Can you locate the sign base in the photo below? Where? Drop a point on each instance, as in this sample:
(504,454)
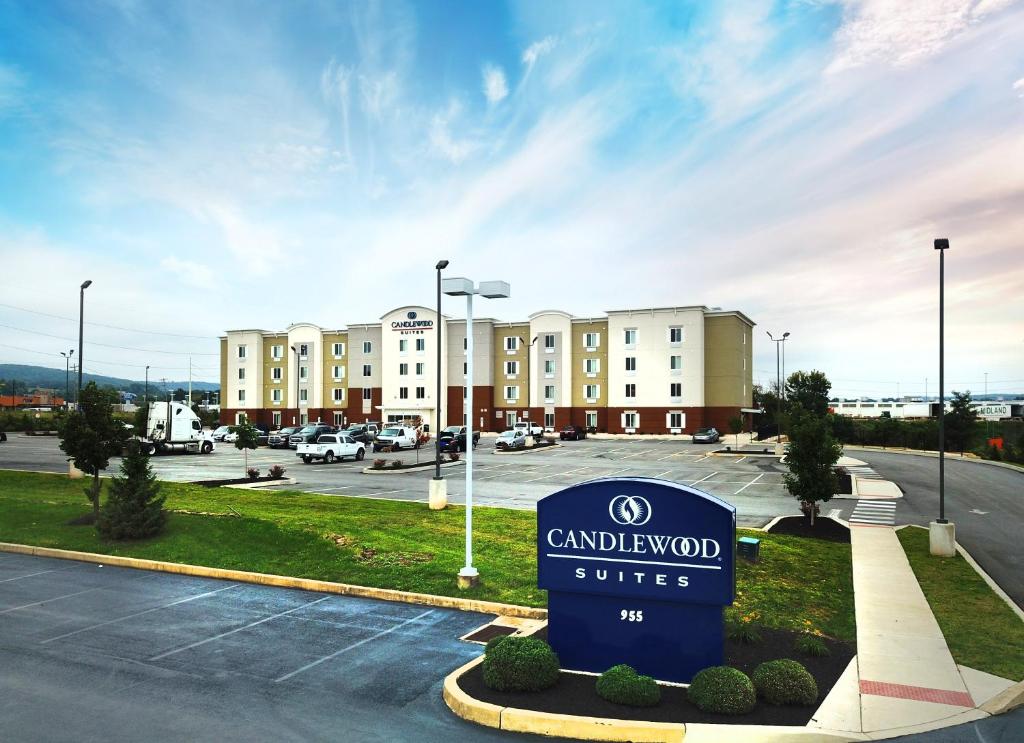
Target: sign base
(668,641)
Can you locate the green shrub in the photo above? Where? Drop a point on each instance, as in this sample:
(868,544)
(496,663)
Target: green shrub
(622,685)
(743,633)
(812,645)
(493,641)
(785,682)
(724,690)
(520,664)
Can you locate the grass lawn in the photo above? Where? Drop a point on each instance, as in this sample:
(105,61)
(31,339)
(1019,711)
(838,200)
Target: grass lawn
(799,584)
(981,630)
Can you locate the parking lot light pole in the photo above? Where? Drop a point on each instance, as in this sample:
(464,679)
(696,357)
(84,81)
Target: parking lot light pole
(469,576)
(942,533)
(296,421)
(438,495)
(778,390)
(67,375)
(81,323)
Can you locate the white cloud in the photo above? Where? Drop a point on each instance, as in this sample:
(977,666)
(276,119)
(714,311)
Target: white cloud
(538,49)
(11,85)
(444,143)
(195,274)
(1019,87)
(904,32)
(495,85)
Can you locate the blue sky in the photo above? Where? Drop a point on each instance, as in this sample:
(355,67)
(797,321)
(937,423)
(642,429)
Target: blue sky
(225,165)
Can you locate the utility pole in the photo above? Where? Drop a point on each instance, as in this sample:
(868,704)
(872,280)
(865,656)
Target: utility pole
(941,533)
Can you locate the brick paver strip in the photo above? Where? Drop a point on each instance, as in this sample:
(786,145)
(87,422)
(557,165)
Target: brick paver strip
(917,693)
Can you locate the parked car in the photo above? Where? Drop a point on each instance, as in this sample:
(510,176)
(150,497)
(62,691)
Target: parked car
(220,432)
(364,432)
(331,446)
(309,433)
(396,437)
(706,436)
(453,438)
(572,433)
(512,439)
(530,429)
(279,439)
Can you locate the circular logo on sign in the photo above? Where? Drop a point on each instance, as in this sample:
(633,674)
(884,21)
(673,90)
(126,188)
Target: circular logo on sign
(630,510)
(411,315)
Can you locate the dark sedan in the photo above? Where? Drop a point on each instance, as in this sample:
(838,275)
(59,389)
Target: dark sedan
(572,433)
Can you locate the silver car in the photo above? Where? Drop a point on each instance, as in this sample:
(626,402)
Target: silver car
(706,436)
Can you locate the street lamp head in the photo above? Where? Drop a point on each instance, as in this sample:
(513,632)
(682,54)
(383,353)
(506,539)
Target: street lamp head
(295,349)
(785,335)
(770,334)
(942,243)
(495,289)
(86,284)
(457,287)
(441,264)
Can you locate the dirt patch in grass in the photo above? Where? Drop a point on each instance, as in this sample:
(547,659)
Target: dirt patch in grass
(371,556)
(824,528)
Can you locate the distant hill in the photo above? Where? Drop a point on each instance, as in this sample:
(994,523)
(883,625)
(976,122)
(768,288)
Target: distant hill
(42,376)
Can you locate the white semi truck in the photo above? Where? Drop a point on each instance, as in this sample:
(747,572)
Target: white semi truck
(174,427)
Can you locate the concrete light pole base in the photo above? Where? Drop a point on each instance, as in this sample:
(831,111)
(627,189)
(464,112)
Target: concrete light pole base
(468,578)
(73,472)
(942,539)
(438,498)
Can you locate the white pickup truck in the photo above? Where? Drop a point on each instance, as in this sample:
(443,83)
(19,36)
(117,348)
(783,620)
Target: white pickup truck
(530,429)
(396,437)
(331,446)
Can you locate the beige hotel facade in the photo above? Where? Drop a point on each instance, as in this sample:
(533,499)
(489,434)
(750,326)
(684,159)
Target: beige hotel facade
(650,371)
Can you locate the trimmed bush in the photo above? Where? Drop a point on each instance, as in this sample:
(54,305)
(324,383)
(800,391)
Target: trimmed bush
(277,471)
(520,664)
(812,645)
(252,473)
(622,685)
(722,689)
(743,633)
(785,682)
(493,641)
(378,464)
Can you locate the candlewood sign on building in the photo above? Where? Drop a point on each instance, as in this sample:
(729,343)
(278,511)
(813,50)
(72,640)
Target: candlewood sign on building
(655,370)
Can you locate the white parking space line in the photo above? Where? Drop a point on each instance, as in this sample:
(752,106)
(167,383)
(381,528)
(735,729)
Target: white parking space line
(47,601)
(708,477)
(740,460)
(702,458)
(556,474)
(41,572)
(661,474)
(615,472)
(749,484)
(137,614)
(638,454)
(353,646)
(237,629)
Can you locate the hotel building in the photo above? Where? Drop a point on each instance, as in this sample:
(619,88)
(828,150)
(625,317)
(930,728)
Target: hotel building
(655,370)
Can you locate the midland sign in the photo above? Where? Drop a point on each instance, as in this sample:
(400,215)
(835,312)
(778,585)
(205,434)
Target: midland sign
(637,571)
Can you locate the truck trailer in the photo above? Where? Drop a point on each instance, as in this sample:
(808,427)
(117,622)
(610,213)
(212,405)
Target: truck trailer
(173,427)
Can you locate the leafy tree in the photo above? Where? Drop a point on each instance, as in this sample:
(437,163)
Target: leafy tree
(767,399)
(134,506)
(141,419)
(960,420)
(735,427)
(179,395)
(843,428)
(809,390)
(90,437)
(248,438)
(887,429)
(812,456)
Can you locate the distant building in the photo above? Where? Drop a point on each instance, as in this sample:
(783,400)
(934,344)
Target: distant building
(37,399)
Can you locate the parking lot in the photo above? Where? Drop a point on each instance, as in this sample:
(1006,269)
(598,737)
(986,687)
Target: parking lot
(93,652)
(752,484)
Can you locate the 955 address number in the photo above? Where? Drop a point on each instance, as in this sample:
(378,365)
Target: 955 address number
(631,616)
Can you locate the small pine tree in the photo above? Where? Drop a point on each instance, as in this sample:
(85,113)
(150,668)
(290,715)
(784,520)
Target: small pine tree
(134,508)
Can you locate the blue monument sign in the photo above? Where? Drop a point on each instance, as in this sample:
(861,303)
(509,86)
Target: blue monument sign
(637,571)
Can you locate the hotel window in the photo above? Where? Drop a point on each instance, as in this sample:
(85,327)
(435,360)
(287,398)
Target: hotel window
(303,418)
(303,350)
(403,393)
(241,396)
(549,393)
(275,417)
(465,392)
(511,343)
(512,367)
(241,374)
(629,420)
(630,337)
(420,367)
(338,372)
(367,393)
(511,393)
(631,363)
(675,390)
(339,418)
(591,419)
(403,345)
(675,336)
(421,344)
(591,366)
(549,420)
(367,370)
(303,395)
(421,393)
(630,390)
(465,368)
(465,343)
(277,352)
(339,394)
(303,372)
(549,343)
(367,347)
(675,420)
(339,349)
(591,391)
(241,352)
(592,340)
(275,373)
(549,366)
(275,395)
(675,364)
(403,370)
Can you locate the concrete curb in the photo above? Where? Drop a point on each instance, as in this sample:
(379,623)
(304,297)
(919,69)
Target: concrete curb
(262,484)
(413,468)
(1005,700)
(282,581)
(935,455)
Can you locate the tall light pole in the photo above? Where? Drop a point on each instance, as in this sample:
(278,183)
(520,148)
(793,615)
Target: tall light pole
(67,375)
(297,414)
(441,265)
(778,384)
(941,533)
(81,322)
(461,287)
(146,399)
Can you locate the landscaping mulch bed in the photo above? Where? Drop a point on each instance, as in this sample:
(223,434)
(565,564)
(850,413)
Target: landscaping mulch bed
(574,694)
(235,481)
(824,528)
